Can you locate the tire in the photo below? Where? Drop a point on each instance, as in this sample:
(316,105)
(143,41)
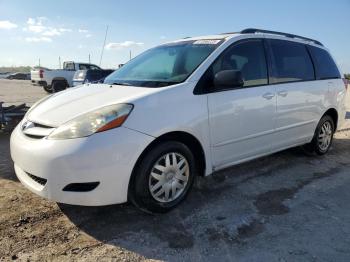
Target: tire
(148,185)
(58,86)
(48,89)
(325,130)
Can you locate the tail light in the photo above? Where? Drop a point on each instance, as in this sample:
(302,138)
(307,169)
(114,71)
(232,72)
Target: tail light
(41,73)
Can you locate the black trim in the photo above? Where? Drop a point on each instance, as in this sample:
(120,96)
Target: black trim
(269,59)
(255,30)
(312,61)
(39,180)
(81,187)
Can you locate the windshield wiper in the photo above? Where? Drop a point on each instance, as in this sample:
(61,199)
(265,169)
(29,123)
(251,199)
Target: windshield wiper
(121,84)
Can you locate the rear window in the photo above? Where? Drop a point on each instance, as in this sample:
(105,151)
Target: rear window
(292,62)
(68,66)
(325,66)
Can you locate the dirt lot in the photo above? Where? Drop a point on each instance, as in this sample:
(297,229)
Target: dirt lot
(285,207)
(16,92)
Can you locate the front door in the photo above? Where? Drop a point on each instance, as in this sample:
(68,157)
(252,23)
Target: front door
(241,120)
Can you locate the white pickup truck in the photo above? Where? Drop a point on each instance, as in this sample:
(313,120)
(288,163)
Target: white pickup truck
(59,79)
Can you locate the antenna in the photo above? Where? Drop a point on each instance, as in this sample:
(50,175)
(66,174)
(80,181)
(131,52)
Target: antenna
(103,47)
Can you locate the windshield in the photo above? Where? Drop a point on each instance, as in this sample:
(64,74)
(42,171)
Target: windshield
(164,65)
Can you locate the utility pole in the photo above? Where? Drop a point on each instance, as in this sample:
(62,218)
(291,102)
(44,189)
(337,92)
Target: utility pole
(103,47)
(130,55)
(59,62)
(89,59)
(39,62)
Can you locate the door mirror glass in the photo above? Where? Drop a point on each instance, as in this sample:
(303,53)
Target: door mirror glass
(228,79)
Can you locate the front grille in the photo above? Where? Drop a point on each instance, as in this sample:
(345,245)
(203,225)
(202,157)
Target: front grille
(36,130)
(41,125)
(39,180)
(34,136)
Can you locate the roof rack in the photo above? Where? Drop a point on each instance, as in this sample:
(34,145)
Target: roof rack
(254,30)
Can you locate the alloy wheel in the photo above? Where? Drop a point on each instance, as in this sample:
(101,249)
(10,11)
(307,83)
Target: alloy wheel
(325,136)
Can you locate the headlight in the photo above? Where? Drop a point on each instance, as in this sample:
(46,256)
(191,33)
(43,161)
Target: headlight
(99,120)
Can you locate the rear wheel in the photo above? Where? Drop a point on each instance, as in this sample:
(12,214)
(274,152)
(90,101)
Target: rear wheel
(163,177)
(58,86)
(323,137)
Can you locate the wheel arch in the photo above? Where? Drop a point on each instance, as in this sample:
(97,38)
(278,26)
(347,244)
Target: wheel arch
(180,136)
(333,113)
(59,79)
(186,138)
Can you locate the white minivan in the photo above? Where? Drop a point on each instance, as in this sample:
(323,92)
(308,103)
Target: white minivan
(183,109)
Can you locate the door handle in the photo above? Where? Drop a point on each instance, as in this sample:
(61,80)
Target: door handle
(283,93)
(268,96)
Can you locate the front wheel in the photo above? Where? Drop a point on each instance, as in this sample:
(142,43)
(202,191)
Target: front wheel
(323,137)
(163,177)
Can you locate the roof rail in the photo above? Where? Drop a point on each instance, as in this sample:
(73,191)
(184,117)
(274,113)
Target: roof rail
(254,30)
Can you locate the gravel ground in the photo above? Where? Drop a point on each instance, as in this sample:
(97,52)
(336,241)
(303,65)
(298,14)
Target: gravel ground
(284,207)
(17,92)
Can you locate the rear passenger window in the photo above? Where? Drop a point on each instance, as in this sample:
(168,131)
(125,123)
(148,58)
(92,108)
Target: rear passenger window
(324,64)
(84,67)
(291,62)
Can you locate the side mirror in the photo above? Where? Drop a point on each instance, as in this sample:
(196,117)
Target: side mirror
(228,79)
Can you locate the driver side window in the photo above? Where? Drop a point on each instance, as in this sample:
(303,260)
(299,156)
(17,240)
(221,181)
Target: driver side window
(248,57)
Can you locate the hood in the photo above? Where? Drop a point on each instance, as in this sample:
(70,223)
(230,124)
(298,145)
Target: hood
(68,104)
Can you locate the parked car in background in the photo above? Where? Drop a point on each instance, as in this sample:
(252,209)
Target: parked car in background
(4,74)
(59,79)
(183,109)
(90,76)
(19,76)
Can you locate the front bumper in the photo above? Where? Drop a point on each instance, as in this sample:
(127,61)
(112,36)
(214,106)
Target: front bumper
(107,158)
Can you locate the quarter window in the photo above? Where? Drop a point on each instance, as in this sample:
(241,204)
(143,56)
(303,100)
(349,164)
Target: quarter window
(324,64)
(291,62)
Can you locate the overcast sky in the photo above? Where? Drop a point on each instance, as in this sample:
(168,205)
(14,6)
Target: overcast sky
(34,29)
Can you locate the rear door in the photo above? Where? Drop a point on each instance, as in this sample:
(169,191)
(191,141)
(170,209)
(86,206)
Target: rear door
(299,96)
(327,74)
(325,68)
(241,120)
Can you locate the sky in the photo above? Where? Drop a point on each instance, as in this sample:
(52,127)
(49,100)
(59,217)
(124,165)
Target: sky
(39,29)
